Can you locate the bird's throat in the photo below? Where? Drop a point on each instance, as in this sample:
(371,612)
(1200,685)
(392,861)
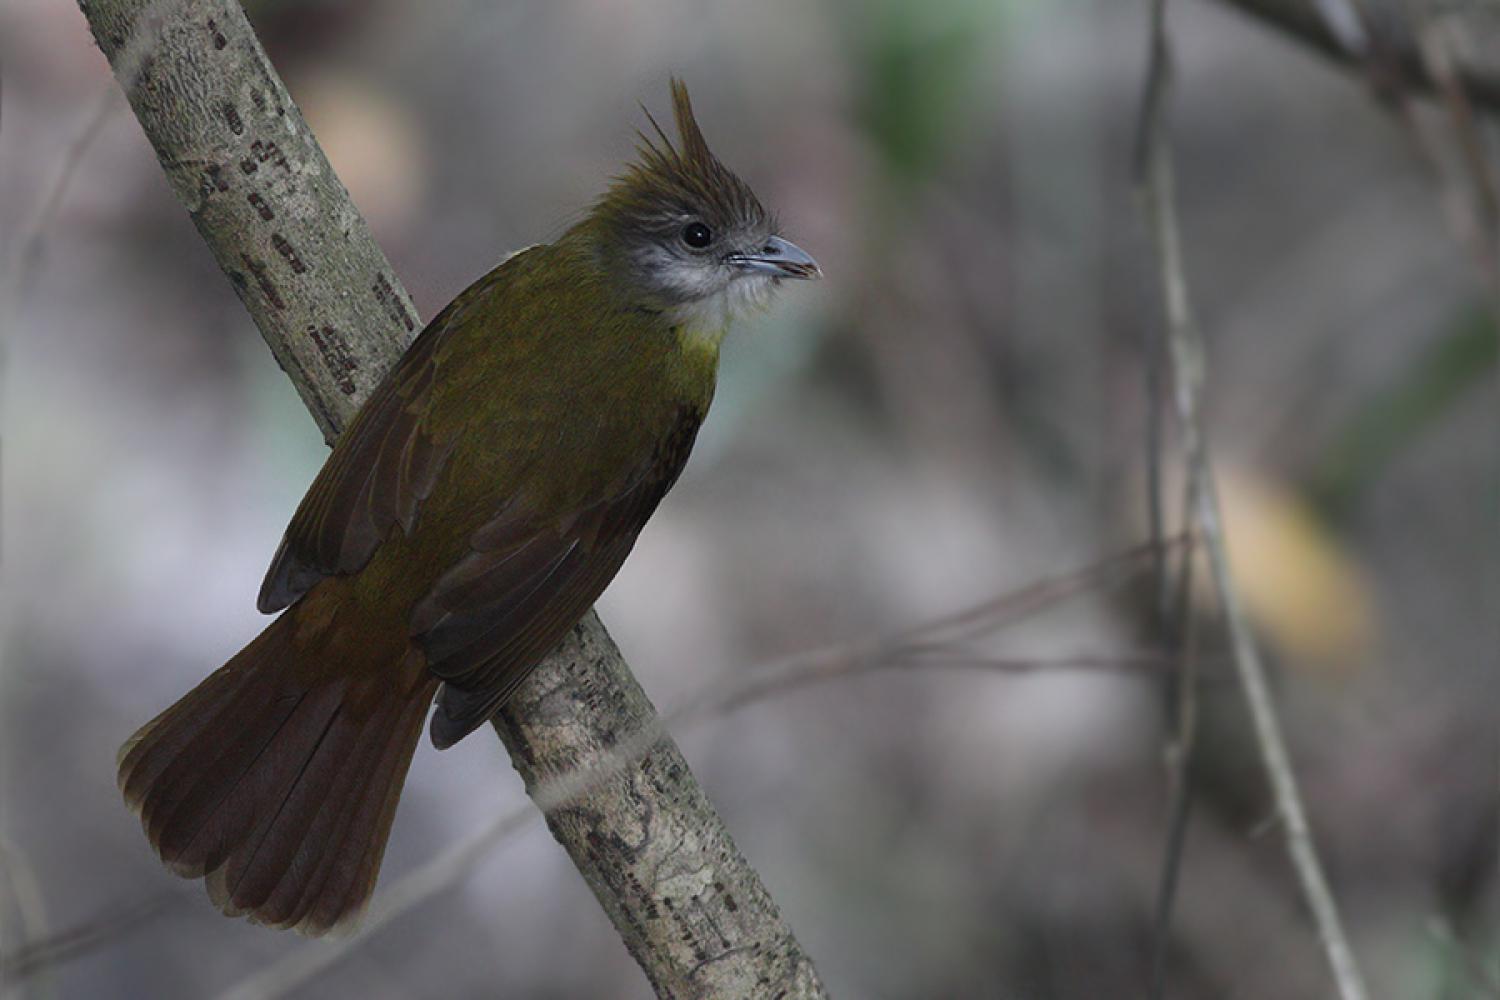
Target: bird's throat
(701,325)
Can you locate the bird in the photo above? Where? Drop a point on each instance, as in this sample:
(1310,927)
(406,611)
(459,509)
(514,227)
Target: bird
(469,515)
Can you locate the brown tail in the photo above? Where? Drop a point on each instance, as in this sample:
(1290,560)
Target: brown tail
(277,783)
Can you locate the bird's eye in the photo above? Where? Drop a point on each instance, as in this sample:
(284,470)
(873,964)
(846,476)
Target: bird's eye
(697,235)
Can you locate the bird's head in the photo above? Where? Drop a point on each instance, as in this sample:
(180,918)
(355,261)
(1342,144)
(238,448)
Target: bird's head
(688,235)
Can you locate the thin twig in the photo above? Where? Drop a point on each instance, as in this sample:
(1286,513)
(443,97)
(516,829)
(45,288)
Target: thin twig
(739,689)
(929,645)
(1186,354)
(820,671)
(25,890)
(1472,213)
(926,645)
(1306,21)
(28,253)
(454,863)
(1481,223)
(1180,754)
(1017,604)
(1174,624)
(82,939)
(447,868)
(404,894)
(15,283)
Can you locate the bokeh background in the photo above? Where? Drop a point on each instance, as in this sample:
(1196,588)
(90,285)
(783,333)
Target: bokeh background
(957,411)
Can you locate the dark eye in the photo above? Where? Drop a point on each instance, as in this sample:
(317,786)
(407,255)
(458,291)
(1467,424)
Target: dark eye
(696,235)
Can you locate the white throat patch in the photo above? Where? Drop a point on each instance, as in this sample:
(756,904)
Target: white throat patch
(707,318)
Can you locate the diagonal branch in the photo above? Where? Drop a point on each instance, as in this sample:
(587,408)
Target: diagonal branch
(1385,45)
(241,159)
(923,647)
(1186,359)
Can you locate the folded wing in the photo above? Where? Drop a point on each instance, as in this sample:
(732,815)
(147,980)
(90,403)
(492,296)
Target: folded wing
(525,581)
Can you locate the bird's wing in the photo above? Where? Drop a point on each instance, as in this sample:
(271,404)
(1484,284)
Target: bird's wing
(382,467)
(526,580)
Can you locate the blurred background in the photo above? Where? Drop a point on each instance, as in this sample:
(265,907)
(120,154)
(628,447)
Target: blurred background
(959,410)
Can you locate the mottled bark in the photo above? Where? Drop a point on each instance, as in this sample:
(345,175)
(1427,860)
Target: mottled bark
(619,796)
(241,159)
(617,792)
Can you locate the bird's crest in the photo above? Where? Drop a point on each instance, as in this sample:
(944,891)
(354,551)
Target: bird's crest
(669,181)
(694,147)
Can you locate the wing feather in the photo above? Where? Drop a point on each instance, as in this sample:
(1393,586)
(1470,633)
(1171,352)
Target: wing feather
(532,564)
(382,467)
(525,582)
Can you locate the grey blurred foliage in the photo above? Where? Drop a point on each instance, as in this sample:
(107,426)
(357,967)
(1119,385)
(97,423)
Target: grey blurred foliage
(956,411)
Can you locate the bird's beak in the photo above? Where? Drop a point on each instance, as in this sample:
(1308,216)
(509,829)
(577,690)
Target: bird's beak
(779,258)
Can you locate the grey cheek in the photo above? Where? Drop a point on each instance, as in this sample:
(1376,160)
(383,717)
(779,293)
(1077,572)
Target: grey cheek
(680,278)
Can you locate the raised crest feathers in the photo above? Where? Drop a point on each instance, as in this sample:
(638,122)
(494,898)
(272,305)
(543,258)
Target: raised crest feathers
(670,179)
(691,147)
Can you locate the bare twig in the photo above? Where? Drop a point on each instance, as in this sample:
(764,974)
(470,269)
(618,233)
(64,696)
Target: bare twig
(28,252)
(1174,622)
(929,645)
(1015,605)
(25,891)
(1186,354)
(1471,210)
(449,867)
(1182,636)
(740,689)
(81,939)
(1480,224)
(241,159)
(1309,22)
(15,282)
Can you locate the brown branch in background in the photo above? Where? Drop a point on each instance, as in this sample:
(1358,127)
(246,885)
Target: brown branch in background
(1390,48)
(279,222)
(1173,620)
(1480,224)
(946,641)
(1180,626)
(1187,364)
(1471,206)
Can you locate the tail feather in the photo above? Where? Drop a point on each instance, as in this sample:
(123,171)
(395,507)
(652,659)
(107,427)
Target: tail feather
(350,874)
(276,780)
(310,880)
(294,788)
(178,770)
(289,897)
(177,726)
(192,810)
